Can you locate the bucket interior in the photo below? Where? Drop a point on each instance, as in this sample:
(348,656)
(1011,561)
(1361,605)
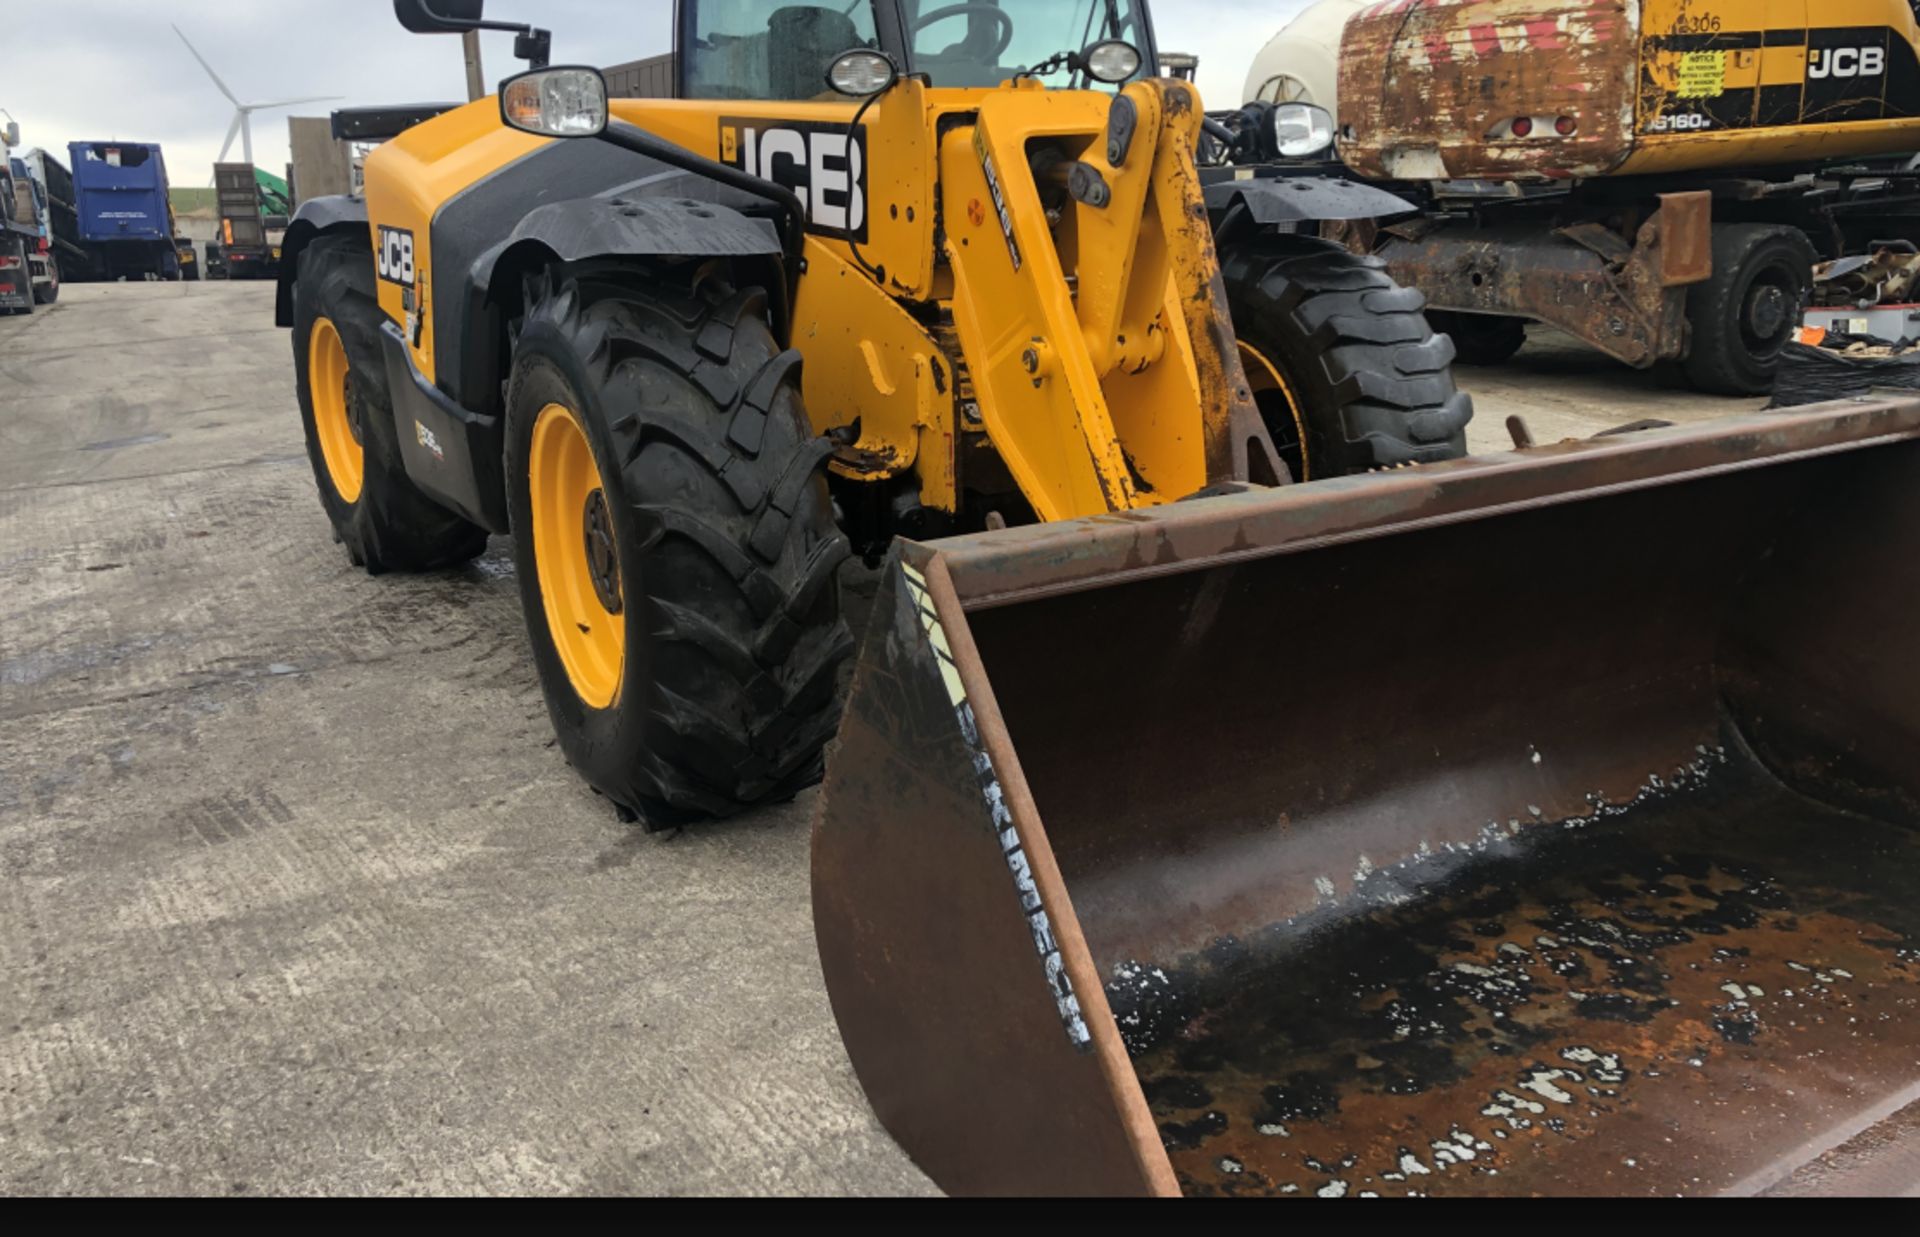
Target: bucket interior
(1572,850)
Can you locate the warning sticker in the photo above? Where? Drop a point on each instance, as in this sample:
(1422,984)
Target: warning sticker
(1703,75)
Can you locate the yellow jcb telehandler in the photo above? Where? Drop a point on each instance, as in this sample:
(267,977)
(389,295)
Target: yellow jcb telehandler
(847,254)
(1445,829)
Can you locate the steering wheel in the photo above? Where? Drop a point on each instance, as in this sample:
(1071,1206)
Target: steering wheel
(971,10)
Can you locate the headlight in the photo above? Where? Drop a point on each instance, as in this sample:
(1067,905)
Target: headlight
(1113,61)
(1302,130)
(862,74)
(556,103)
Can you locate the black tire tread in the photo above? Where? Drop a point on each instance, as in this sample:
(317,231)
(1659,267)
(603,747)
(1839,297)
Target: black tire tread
(1718,360)
(722,476)
(1376,381)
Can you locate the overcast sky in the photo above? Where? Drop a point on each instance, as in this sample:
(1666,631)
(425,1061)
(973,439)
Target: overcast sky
(74,70)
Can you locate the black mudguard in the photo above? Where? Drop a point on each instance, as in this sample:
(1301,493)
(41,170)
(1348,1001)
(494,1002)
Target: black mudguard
(622,205)
(464,471)
(646,227)
(1303,199)
(315,217)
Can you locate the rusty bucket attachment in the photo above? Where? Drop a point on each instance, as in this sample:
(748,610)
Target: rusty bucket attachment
(1536,824)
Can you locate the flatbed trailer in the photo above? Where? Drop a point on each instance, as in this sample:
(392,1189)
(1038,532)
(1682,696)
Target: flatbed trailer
(25,274)
(249,244)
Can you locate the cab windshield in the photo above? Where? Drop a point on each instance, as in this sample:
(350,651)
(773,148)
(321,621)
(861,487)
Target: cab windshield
(984,44)
(766,49)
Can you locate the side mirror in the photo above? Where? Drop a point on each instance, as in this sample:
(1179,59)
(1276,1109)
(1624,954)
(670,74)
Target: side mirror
(1302,130)
(863,73)
(11,133)
(439,16)
(564,102)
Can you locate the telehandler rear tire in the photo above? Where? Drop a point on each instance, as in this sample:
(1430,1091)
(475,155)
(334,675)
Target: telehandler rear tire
(1349,375)
(678,557)
(386,523)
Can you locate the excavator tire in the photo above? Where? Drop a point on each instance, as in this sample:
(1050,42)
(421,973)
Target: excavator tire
(678,556)
(1745,314)
(1349,374)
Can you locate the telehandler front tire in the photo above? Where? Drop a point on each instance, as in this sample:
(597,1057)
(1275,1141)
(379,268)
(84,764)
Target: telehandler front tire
(678,557)
(1349,375)
(386,523)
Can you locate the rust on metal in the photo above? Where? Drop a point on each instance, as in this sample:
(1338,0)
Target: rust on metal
(1542,823)
(1686,238)
(1429,91)
(1627,299)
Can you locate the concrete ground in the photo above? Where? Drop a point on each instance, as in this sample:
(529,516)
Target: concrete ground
(298,896)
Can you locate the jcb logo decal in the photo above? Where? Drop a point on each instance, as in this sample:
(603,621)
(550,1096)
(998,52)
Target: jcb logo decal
(396,256)
(1825,62)
(824,165)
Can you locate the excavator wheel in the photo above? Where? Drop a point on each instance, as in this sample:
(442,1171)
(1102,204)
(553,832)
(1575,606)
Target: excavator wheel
(1745,314)
(1349,375)
(386,523)
(1481,339)
(678,558)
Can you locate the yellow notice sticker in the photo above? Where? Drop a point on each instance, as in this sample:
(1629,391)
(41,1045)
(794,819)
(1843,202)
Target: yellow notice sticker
(1703,75)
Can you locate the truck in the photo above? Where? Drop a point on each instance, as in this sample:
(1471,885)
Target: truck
(16,286)
(125,217)
(32,210)
(29,275)
(1656,179)
(16,289)
(250,234)
(56,182)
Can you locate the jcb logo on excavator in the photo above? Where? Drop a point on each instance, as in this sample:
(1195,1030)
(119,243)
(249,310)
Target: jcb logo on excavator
(826,165)
(1825,62)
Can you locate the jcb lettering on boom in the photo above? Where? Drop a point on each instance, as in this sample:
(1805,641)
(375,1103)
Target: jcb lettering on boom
(825,164)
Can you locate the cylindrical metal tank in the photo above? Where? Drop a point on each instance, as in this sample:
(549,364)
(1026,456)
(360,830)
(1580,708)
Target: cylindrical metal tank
(1301,64)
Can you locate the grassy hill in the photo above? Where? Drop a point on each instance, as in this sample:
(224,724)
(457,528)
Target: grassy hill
(192,201)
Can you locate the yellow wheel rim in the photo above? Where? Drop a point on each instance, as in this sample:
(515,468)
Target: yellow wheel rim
(1269,385)
(575,554)
(327,383)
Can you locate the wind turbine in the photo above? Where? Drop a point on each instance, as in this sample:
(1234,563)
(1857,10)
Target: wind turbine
(243,112)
